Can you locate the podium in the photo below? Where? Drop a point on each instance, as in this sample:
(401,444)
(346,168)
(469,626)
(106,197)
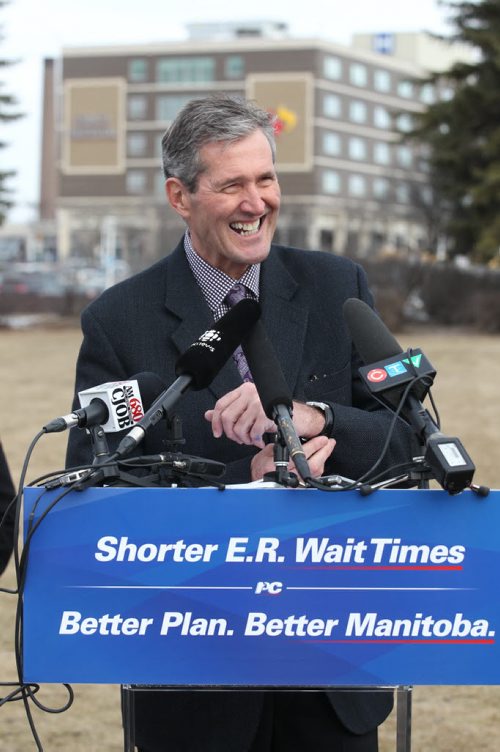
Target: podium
(263,588)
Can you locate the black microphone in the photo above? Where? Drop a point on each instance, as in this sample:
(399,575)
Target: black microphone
(389,368)
(387,362)
(197,367)
(274,392)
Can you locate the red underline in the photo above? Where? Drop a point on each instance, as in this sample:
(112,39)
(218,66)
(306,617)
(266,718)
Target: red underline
(421,567)
(412,641)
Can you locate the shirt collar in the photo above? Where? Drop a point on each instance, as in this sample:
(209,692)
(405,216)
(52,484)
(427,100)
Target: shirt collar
(214,283)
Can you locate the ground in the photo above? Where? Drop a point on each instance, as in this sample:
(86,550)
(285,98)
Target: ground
(36,374)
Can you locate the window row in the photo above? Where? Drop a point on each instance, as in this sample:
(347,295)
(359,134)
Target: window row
(334,106)
(200,69)
(364,113)
(203,69)
(379,79)
(332,145)
(139,144)
(354,147)
(380,188)
(332,183)
(136,182)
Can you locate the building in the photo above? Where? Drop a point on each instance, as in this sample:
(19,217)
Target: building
(349,185)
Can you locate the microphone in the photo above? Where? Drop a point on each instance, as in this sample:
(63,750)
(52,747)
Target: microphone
(115,406)
(197,367)
(388,368)
(274,393)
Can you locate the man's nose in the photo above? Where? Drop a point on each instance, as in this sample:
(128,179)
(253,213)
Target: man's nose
(253,200)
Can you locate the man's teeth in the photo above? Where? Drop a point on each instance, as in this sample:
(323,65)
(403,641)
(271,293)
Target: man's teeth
(246,228)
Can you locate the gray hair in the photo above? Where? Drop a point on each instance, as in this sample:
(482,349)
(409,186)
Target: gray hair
(220,118)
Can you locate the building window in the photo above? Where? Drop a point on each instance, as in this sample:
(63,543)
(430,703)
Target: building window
(381,153)
(381,117)
(158,145)
(381,188)
(138,70)
(185,69)
(332,68)
(357,111)
(446,94)
(428,94)
(405,156)
(404,122)
(405,89)
(382,80)
(136,144)
(137,106)
(357,148)
(136,181)
(234,66)
(331,144)
(426,195)
(332,106)
(357,185)
(169,105)
(326,240)
(331,181)
(402,193)
(160,183)
(358,74)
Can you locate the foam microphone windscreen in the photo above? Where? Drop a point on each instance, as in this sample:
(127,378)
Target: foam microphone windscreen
(266,370)
(370,335)
(203,360)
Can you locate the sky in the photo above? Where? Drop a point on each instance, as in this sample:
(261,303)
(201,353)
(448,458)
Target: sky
(35,29)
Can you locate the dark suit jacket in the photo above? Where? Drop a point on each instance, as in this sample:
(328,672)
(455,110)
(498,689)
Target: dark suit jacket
(6,495)
(144,324)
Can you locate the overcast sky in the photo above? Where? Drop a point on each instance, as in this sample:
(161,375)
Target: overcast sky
(34,29)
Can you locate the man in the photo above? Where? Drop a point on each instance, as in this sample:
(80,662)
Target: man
(218,159)
(6,495)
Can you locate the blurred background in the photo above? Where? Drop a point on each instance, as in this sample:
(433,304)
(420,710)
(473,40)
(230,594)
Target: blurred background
(387,131)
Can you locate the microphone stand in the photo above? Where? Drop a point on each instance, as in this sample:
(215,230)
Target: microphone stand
(162,475)
(281,455)
(110,474)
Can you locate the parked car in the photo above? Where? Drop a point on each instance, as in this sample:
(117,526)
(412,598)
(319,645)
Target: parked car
(32,290)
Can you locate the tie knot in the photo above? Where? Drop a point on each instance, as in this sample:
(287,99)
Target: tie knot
(235,294)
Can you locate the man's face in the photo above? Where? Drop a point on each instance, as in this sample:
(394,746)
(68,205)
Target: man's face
(232,214)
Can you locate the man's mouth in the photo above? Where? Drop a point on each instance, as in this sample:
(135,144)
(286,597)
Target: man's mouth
(246,228)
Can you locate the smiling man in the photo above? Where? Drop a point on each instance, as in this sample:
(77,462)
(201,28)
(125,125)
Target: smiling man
(219,165)
(233,211)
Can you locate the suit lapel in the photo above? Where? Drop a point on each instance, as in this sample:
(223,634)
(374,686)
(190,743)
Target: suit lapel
(283,316)
(185,301)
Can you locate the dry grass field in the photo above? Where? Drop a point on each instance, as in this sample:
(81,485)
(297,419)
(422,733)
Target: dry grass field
(36,377)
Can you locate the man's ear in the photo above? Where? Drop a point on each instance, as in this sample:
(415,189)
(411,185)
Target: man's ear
(178,196)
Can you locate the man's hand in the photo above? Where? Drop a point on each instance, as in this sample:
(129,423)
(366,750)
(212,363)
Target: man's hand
(316,450)
(239,415)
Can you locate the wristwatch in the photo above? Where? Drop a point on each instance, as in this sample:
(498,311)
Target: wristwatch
(327,411)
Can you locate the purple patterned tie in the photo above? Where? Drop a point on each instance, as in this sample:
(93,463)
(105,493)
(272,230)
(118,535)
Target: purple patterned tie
(235,294)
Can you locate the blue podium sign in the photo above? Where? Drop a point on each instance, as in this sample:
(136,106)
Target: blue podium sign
(262,587)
